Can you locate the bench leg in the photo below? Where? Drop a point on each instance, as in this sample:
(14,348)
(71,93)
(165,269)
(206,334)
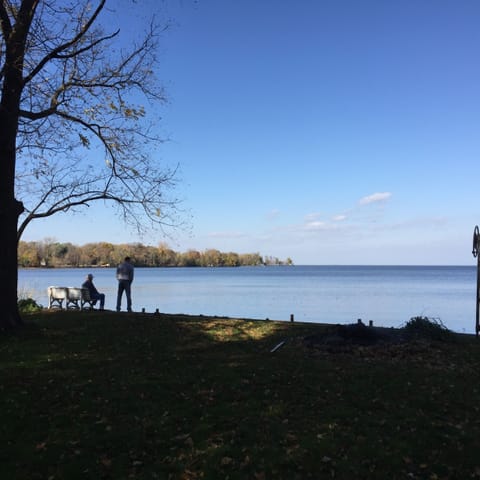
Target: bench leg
(55,302)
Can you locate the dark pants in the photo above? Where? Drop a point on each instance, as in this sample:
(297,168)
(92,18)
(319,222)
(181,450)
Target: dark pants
(99,296)
(124,286)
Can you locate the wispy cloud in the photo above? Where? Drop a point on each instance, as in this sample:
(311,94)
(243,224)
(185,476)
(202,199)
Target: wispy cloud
(314,222)
(421,223)
(311,217)
(226,235)
(273,214)
(316,225)
(375,198)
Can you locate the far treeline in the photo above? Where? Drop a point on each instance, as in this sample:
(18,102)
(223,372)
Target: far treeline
(103,254)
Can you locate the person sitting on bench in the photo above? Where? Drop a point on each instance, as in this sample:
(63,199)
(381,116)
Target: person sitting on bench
(94,293)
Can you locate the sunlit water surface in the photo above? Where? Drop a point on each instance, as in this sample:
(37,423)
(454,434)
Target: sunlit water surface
(389,296)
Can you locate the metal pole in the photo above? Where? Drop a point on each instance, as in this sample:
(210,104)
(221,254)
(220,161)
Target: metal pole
(477,309)
(476,245)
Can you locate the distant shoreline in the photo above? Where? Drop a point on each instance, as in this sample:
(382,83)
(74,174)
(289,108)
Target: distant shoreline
(260,266)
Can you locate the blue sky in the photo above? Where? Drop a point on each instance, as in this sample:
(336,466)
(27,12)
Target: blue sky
(330,132)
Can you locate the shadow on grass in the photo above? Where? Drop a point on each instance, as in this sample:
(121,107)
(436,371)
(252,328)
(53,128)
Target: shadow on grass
(116,396)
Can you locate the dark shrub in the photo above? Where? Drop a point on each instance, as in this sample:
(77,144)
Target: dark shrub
(28,305)
(428,328)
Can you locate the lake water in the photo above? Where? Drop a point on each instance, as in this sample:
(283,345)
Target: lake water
(389,296)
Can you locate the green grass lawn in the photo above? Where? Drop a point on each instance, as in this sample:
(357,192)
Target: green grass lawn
(100,395)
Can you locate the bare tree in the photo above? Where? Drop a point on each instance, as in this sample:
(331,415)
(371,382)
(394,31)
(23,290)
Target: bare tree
(74,126)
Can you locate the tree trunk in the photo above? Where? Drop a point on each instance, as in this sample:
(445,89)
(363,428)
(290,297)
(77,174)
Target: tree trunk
(10,316)
(10,209)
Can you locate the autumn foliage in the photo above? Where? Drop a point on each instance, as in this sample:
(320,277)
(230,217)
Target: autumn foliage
(97,254)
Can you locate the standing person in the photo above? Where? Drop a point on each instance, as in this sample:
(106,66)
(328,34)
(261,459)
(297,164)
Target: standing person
(125,279)
(94,293)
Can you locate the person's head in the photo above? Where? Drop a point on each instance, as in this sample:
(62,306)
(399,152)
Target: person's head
(90,277)
(127,259)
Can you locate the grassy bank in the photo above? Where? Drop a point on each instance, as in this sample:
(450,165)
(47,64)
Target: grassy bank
(100,395)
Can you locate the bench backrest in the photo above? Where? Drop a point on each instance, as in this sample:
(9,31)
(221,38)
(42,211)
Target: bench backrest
(74,293)
(86,295)
(58,292)
(69,292)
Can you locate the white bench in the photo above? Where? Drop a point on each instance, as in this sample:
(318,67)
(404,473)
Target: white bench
(74,297)
(56,296)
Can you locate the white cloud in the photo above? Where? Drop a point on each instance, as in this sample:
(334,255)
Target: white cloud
(315,225)
(311,217)
(375,198)
(313,222)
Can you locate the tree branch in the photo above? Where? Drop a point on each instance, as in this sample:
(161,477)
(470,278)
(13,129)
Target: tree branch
(55,53)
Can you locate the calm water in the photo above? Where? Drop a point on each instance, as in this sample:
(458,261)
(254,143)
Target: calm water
(329,294)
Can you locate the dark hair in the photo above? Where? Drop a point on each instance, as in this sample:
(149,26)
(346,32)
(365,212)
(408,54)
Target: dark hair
(127,259)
